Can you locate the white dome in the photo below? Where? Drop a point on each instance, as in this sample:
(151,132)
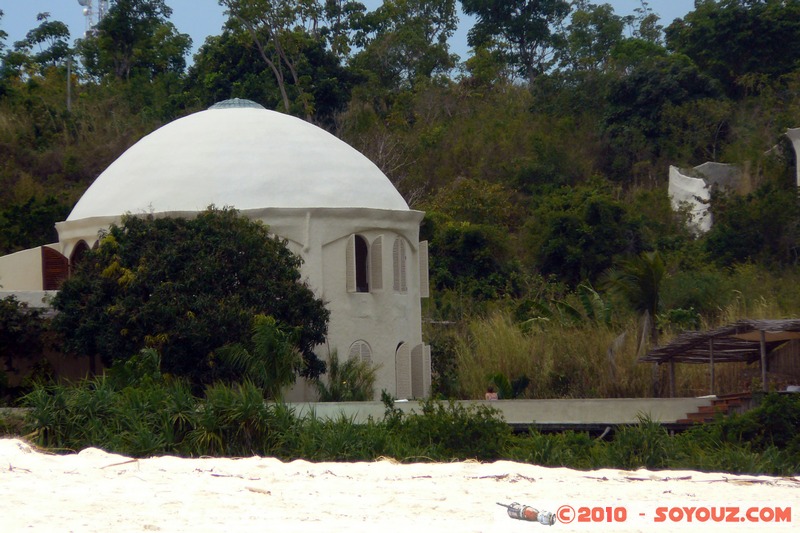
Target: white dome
(237,154)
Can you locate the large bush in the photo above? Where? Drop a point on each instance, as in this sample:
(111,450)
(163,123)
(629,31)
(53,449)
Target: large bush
(577,232)
(186,288)
(21,332)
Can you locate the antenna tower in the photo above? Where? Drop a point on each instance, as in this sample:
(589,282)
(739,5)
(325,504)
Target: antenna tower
(93,11)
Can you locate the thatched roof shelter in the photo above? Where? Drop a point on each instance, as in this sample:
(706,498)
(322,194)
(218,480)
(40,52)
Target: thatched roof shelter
(743,341)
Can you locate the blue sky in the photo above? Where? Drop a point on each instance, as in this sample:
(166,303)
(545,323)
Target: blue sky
(200,18)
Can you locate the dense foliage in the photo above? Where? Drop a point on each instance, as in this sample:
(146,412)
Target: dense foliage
(352,380)
(21,340)
(188,288)
(164,418)
(541,159)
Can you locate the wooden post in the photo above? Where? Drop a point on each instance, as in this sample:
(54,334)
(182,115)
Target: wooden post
(763,361)
(672,378)
(711,360)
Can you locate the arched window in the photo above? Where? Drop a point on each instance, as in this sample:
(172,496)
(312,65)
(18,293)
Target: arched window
(399,265)
(77,254)
(361,351)
(402,368)
(357,264)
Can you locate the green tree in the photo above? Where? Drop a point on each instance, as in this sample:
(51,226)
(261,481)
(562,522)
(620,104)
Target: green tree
(404,42)
(733,39)
(279,28)
(473,259)
(21,331)
(524,29)
(592,34)
(638,281)
(230,66)
(47,45)
(30,224)
(634,122)
(576,233)
(762,226)
(135,38)
(3,37)
(586,63)
(186,288)
(476,202)
(3,34)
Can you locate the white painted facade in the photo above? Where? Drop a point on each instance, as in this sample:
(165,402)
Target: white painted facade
(357,236)
(687,191)
(694,191)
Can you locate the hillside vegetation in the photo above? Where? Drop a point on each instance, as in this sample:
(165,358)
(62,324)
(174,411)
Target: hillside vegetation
(541,159)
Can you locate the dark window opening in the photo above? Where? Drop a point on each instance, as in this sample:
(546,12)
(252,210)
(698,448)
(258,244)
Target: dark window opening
(77,255)
(362,283)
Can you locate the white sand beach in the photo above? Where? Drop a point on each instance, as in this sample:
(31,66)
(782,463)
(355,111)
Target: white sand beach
(97,491)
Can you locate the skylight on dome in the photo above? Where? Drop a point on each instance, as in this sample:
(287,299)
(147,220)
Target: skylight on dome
(236,103)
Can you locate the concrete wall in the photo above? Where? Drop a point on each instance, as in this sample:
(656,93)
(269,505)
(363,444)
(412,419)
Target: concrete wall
(579,411)
(34,299)
(686,190)
(382,318)
(22,271)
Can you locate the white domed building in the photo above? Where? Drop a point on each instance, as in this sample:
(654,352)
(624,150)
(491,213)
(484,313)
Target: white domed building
(356,234)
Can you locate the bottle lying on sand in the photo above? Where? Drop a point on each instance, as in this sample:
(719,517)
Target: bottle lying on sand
(525,512)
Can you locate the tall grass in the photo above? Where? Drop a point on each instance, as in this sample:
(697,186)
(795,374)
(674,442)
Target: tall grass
(561,361)
(586,357)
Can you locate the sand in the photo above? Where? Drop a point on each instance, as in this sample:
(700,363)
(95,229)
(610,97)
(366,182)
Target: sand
(98,491)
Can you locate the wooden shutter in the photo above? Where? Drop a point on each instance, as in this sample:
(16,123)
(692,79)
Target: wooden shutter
(55,269)
(396,265)
(361,351)
(424,282)
(366,353)
(376,263)
(417,384)
(403,271)
(400,283)
(351,263)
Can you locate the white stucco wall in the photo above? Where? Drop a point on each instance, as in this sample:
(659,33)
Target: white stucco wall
(383,318)
(33,299)
(22,271)
(686,190)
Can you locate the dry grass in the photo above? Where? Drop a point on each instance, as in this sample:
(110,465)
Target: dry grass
(564,361)
(559,361)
